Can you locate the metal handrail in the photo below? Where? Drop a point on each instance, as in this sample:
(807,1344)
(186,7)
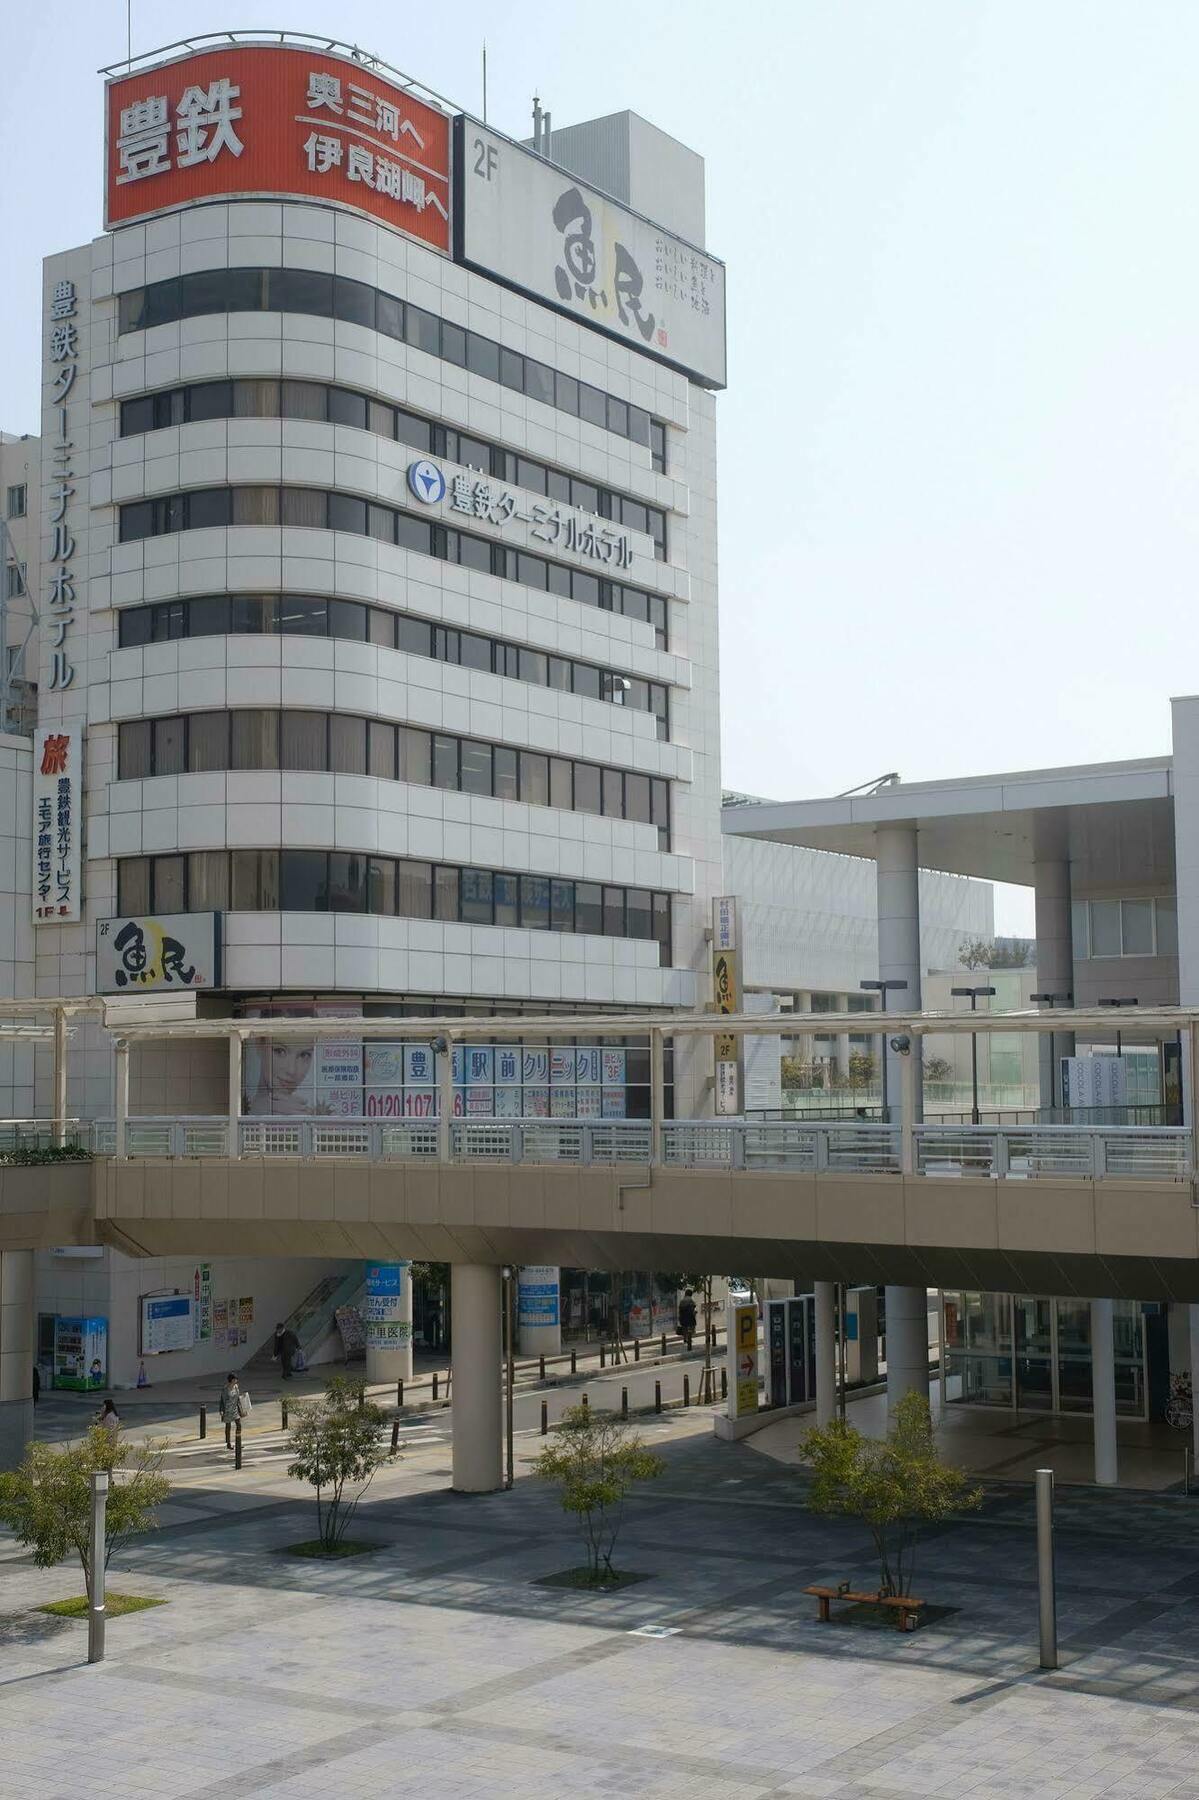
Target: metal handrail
(1001,1152)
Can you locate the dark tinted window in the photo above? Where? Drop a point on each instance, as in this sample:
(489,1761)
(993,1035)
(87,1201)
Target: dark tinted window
(389,316)
(347,513)
(353,301)
(303,880)
(346,408)
(482,356)
(301,291)
(423,329)
(170,746)
(453,343)
(593,405)
(512,370)
(210,400)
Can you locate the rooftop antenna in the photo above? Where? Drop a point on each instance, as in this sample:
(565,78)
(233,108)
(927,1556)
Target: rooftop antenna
(536,126)
(545,135)
(871,787)
(484,81)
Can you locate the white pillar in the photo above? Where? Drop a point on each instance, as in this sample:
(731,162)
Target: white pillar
(898,936)
(1055,961)
(235,1080)
(16,1355)
(1103,1389)
(907,1343)
(539,1310)
(121,1074)
(389,1322)
(826,1354)
(1193,1323)
(478,1419)
(445,1102)
(60,1075)
(657,1095)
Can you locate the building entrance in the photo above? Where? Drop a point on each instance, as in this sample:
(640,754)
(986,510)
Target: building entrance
(1032,1353)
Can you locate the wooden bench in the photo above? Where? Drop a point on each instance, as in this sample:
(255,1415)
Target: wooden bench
(905,1606)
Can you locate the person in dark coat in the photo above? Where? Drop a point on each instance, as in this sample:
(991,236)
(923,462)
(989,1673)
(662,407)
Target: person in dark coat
(286,1345)
(687,1318)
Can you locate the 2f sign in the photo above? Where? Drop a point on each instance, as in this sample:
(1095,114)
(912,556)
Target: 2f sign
(487,159)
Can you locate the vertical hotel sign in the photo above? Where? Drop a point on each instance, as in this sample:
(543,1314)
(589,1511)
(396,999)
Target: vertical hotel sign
(269,119)
(62,352)
(57,792)
(726,987)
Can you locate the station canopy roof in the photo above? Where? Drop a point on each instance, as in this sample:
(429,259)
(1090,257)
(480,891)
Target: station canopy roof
(1115,821)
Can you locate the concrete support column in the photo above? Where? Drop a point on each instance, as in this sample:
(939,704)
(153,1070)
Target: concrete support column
(60,1076)
(826,1353)
(121,1079)
(389,1322)
(235,1081)
(657,1094)
(1055,963)
(899,937)
(16,1355)
(478,1420)
(907,1344)
(1103,1391)
(539,1310)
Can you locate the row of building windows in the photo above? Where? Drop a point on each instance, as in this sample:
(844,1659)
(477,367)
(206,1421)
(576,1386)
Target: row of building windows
(261,738)
(320,401)
(15,501)
(321,510)
(1125,928)
(347,881)
(326,296)
(311,615)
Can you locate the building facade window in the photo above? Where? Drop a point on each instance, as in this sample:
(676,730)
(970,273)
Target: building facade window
(347,881)
(14,580)
(326,296)
(273,399)
(1139,926)
(16,501)
(311,615)
(345,744)
(323,510)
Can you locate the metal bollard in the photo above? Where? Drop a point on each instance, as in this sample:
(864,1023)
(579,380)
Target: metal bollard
(96,1616)
(541,1368)
(574,1362)
(361,1397)
(686,1390)
(584,1403)
(1046,1584)
(657,1396)
(724,1384)
(545,1417)
(203,1421)
(283,1411)
(624,1403)
(399,1393)
(601,1353)
(636,1349)
(395,1436)
(664,1343)
(237,1445)
(434,1387)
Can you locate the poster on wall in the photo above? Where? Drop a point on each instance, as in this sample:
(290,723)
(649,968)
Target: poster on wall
(80,1353)
(168,1322)
(537,1292)
(385,1327)
(173,953)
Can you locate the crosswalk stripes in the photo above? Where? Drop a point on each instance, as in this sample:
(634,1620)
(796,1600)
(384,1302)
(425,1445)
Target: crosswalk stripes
(260,1450)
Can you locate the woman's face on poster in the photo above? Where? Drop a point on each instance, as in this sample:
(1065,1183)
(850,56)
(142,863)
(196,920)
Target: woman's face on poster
(289,1067)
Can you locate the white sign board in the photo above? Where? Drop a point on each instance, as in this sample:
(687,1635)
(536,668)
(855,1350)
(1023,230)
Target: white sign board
(174,953)
(168,1323)
(537,227)
(724,922)
(57,824)
(1092,1081)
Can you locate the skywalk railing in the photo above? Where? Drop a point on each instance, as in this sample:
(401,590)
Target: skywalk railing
(1003,1152)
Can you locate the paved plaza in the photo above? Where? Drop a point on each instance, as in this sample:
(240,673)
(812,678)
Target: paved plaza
(438,1665)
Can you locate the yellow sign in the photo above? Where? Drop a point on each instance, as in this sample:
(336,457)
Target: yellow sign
(724,974)
(747,1328)
(747,1397)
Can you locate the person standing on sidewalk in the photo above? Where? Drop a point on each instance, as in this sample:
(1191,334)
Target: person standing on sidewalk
(230,1407)
(286,1345)
(687,1318)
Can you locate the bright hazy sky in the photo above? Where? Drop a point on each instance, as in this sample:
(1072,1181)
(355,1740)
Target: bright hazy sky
(959,446)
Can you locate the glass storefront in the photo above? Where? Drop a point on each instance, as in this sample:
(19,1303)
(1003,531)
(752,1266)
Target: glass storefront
(1031,1353)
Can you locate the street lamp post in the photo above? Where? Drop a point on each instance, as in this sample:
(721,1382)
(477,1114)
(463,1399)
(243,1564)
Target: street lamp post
(1050,1000)
(882,989)
(972,994)
(1124,1000)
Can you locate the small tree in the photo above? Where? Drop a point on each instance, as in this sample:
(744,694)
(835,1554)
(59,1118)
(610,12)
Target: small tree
(337,1445)
(594,1462)
(894,1484)
(47,1501)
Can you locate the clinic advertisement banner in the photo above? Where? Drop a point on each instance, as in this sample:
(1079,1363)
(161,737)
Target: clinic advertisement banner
(168,1322)
(537,1295)
(543,231)
(382,1310)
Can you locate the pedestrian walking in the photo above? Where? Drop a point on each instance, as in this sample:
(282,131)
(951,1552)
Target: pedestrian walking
(687,1318)
(286,1346)
(109,1418)
(234,1405)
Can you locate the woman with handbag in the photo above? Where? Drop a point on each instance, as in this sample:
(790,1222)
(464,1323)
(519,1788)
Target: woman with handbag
(234,1405)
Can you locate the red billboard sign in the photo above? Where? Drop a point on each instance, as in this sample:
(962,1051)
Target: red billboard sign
(268,120)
